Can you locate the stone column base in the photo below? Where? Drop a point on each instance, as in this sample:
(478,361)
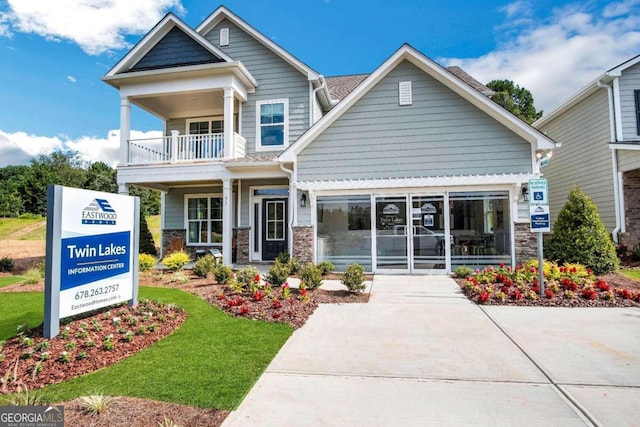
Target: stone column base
(303,248)
(526,243)
(242,244)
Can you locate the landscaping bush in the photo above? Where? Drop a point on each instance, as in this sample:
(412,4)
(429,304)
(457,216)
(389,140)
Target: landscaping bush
(32,276)
(283,257)
(353,278)
(311,276)
(580,236)
(146,244)
(326,267)
(176,261)
(205,266)
(463,272)
(223,274)
(294,266)
(278,273)
(179,277)
(146,262)
(6,263)
(247,275)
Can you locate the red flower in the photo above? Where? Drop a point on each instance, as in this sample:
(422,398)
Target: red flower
(589,294)
(303,291)
(484,296)
(257,296)
(509,268)
(502,265)
(535,288)
(276,304)
(602,285)
(549,293)
(276,315)
(533,269)
(257,278)
(517,295)
(244,309)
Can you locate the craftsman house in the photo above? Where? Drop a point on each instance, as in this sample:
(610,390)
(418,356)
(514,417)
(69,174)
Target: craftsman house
(411,168)
(599,132)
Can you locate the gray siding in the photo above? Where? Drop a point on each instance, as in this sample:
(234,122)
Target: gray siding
(276,79)
(175,49)
(174,204)
(628,160)
(439,134)
(584,158)
(629,81)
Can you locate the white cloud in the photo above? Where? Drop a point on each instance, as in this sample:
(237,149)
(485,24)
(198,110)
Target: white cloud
(19,148)
(71,79)
(98,26)
(517,8)
(620,8)
(557,57)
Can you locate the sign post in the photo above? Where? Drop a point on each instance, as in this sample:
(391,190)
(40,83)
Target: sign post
(539,219)
(92,252)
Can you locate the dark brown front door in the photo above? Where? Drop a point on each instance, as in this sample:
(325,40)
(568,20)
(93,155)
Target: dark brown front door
(274,228)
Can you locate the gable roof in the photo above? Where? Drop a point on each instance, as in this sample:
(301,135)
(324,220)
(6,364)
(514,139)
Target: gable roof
(465,77)
(406,52)
(603,79)
(222,13)
(156,36)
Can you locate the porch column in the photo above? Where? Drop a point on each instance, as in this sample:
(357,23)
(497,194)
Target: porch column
(228,122)
(227,220)
(125,129)
(123,189)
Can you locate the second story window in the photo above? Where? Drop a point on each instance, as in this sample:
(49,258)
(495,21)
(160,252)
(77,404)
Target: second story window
(205,125)
(272,124)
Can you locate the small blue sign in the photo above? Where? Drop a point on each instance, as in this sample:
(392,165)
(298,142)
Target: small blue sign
(538,196)
(540,221)
(87,259)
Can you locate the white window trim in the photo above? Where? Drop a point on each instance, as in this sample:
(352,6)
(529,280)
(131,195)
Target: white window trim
(256,252)
(284,222)
(285,144)
(208,196)
(201,119)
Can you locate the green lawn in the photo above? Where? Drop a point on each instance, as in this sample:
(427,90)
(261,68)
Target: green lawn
(38,233)
(153,222)
(211,361)
(9,226)
(633,273)
(9,280)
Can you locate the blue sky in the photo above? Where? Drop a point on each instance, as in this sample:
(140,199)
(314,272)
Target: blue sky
(53,52)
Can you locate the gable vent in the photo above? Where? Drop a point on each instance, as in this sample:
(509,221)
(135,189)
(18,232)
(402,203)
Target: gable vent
(224,37)
(404,93)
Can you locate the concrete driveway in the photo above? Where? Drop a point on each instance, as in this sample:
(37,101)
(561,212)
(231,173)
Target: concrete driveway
(421,354)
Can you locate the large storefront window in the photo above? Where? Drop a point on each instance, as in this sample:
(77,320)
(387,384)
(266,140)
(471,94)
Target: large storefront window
(344,230)
(480,227)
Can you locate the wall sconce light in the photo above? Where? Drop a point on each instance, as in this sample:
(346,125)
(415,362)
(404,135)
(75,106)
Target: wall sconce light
(525,194)
(303,200)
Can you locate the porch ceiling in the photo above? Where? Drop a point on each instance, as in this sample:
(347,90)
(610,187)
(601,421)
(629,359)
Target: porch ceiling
(184,104)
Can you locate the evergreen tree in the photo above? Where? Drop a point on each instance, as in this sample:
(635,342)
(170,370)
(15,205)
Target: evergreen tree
(579,236)
(514,99)
(147,245)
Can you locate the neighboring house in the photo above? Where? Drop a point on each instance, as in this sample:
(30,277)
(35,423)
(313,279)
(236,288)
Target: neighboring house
(411,168)
(599,132)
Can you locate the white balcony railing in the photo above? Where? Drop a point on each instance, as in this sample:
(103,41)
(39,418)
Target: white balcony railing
(177,148)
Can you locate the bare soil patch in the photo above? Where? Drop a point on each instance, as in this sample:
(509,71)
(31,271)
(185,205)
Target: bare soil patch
(26,254)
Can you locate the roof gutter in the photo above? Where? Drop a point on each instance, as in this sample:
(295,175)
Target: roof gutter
(323,85)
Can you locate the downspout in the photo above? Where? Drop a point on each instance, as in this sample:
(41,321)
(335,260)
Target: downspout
(293,198)
(614,161)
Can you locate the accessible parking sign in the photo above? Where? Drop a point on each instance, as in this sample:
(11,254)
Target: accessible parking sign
(92,248)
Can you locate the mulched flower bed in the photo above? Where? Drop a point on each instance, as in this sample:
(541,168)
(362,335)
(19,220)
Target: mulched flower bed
(572,286)
(84,345)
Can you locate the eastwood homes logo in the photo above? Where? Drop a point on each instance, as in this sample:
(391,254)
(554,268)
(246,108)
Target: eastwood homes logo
(100,212)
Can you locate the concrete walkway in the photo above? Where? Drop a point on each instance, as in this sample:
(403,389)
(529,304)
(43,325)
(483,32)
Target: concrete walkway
(421,354)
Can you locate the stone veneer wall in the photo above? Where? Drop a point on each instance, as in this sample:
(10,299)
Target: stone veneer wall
(169,235)
(526,243)
(631,188)
(242,244)
(303,249)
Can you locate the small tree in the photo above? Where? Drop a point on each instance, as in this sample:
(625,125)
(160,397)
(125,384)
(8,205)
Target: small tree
(146,243)
(579,236)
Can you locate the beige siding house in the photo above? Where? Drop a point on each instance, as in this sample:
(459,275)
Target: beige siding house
(599,132)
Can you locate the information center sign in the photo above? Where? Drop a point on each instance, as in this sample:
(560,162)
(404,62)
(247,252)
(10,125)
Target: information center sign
(92,248)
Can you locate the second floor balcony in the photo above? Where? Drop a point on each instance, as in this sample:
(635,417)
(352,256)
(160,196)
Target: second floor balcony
(184,148)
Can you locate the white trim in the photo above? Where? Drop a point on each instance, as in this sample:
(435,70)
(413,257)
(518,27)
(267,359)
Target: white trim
(616,195)
(624,146)
(623,213)
(255,254)
(163,203)
(406,52)
(208,196)
(618,111)
(156,34)
(405,93)
(437,181)
(208,119)
(222,12)
(285,142)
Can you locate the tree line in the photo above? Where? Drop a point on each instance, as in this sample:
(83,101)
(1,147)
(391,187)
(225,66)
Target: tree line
(23,188)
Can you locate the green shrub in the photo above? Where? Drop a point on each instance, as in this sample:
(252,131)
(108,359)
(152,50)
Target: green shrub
(205,266)
(176,261)
(311,276)
(6,263)
(278,273)
(146,262)
(283,257)
(326,267)
(247,275)
(463,272)
(32,276)
(580,236)
(353,278)
(179,277)
(41,268)
(146,244)
(223,274)
(30,216)
(95,404)
(294,266)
